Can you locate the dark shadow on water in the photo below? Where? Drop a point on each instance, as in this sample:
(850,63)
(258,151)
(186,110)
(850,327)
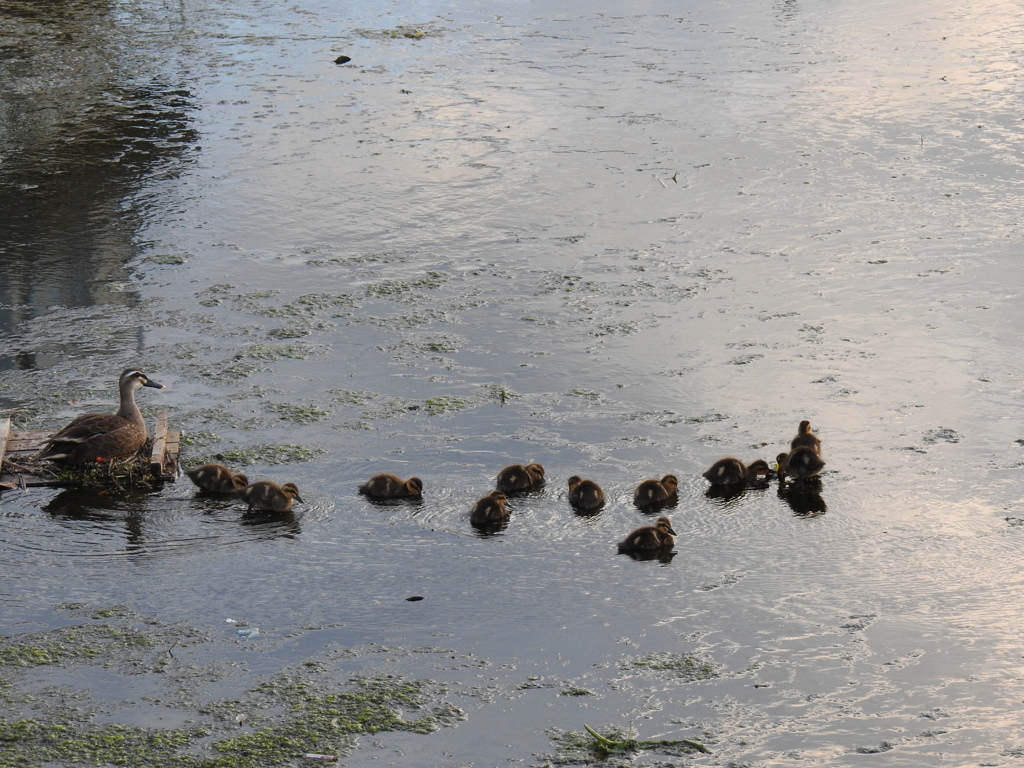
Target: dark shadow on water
(804,497)
(727,493)
(273,524)
(87,122)
(663,556)
(660,506)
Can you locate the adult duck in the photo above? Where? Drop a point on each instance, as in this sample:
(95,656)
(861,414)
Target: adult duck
(104,436)
(515,478)
(387,486)
(216,478)
(730,471)
(266,496)
(650,537)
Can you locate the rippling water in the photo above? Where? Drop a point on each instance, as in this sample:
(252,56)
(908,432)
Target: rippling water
(618,242)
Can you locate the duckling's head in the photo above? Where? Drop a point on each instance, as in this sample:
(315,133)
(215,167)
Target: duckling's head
(759,467)
(291,491)
(239,481)
(664,525)
(782,459)
(670,483)
(415,485)
(805,427)
(535,470)
(574,481)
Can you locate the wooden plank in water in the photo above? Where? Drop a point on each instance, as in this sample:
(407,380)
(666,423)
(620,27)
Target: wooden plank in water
(5,433)
(156,458)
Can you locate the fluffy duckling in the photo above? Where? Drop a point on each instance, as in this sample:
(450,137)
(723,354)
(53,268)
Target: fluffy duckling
(386,486)
(270,497)
(516,477)
(805,438)
(655,491)
(730,471)
(657,536)
(490,509)
(585,494)
(800,463)
(104,436)
(216,478)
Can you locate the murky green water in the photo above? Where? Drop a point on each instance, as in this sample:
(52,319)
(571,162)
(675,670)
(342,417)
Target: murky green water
(620,242)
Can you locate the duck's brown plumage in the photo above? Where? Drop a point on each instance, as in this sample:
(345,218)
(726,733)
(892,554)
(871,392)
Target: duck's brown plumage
(266,496)
(655,491)
(516,477)
(387,486)
(585,494)
(730,471)
(800,463)
(657,536)
(805,438)
(104,436)
(490,509)
(216,478)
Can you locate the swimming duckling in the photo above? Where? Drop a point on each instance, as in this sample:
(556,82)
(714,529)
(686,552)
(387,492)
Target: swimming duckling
(730,471)
(657,536)
(516,477)
(270,497)
(387,486)
(655,491)
(490,509)
(585,494)
(800,463)
(104,436)
(806,438)
(216,478)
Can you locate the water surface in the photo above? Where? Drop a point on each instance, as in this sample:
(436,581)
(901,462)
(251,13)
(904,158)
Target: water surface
(618,242)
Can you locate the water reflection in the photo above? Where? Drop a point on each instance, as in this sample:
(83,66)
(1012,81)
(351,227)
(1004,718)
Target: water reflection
(803,497)
(82,131)
(661,555)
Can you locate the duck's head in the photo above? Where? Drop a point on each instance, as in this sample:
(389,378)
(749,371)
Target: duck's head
(291,491)
(574,481)
(535,470)
(805,427)
(664,525)
(415,485)
(133,378)
(670,483)
(239,481)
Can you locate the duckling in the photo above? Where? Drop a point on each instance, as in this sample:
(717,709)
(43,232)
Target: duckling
(657,536)
(386,486)
(804,437)
(216,478)
(585,494)
(800,464)
(104,436)
(490,509)
(270,497)
(516,477)
(655,491)
(730,471)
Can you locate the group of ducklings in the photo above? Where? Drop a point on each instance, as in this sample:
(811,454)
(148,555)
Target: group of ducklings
(803,461)
(585,495)
(261,496)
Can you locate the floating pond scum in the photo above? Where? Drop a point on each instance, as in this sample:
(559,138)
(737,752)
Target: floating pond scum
(19,467)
